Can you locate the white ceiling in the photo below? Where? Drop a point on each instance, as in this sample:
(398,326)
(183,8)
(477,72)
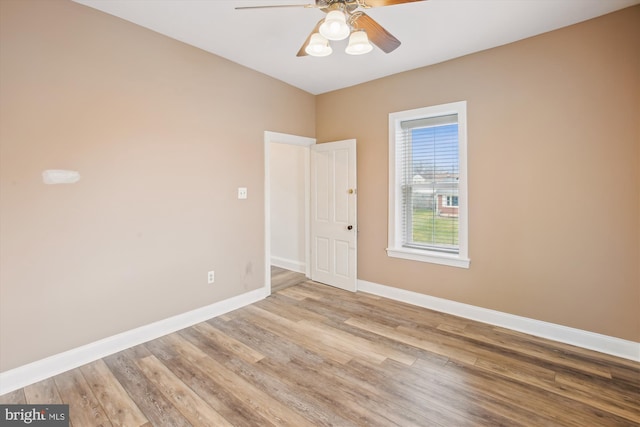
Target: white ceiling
(433,31)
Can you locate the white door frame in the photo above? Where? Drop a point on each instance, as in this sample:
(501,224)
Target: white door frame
(283,138)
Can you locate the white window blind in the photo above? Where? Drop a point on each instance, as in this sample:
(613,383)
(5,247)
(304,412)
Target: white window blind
(427,185)
(428,156)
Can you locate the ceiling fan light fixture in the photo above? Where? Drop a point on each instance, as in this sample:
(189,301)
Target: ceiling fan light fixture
(335,26)
(358,43)
(318,46)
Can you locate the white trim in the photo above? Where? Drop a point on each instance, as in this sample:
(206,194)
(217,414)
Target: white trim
(429,256)
(39,370)
(289,264)
(395,232)
(283,138)
(578,337)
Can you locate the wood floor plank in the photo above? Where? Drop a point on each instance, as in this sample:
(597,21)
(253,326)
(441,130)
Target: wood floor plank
(563,411)
(287,328)
(324,308)
(288,386)
(236,347)
(610,399)
(158,410)
(299,293)
(496,394)
(351,399)
(276,377)
(313,355)
(324,393)
(282,278)
(517,370)
(371,391)
(397,312)
(194,409)
(408,336)
(574,351)
(626,376)
(319,396)
(234,410)
(84,407)
(15,397)
(568,386)
(448,405)
(414,352)
(348,343)
(487,334)
(262,403)
(565,379)
(276,347)
(43,393)
(286,307)
(118,405)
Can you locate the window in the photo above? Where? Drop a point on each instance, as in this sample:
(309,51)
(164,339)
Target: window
(428,185)
(451,201)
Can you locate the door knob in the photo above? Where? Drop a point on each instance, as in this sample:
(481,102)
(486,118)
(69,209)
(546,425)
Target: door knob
(349,227)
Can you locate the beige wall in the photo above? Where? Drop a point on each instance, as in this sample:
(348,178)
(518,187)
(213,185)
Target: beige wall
(554,187)
(162,134)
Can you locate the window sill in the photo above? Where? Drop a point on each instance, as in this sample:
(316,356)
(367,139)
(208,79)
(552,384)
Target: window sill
(429,256)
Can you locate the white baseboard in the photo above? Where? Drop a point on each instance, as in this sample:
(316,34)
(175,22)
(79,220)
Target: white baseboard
(39,370)
(288,264)
(589,340)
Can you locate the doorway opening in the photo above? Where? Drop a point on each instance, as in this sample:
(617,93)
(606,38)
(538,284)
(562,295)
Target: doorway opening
(287,189)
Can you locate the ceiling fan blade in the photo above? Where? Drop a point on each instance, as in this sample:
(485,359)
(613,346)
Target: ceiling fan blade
(380,3)
(277,6)
(377,35)
(302,52)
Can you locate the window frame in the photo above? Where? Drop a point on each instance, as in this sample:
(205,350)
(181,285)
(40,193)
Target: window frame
(395,246)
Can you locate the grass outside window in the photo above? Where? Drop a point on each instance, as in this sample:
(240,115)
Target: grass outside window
(432,229)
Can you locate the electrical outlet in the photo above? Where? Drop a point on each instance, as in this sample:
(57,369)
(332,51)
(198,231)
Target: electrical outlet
(211,277)
(242,192)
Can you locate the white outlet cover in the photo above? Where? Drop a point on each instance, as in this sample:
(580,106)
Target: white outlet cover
(242,192)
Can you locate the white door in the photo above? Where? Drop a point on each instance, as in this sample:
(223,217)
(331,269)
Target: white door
(333,214)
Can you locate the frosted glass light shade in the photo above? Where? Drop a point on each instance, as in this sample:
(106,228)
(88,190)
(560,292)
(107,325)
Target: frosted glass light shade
(358,43)
(318,46)
(335,26)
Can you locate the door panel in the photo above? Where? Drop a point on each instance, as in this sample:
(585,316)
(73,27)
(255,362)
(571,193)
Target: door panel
(342,258)
(322,254)
(333,214)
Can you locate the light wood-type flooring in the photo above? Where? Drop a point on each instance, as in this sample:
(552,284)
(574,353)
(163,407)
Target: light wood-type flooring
(312,355)
(282,278)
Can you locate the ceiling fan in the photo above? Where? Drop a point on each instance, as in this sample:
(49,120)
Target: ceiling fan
(345,19)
